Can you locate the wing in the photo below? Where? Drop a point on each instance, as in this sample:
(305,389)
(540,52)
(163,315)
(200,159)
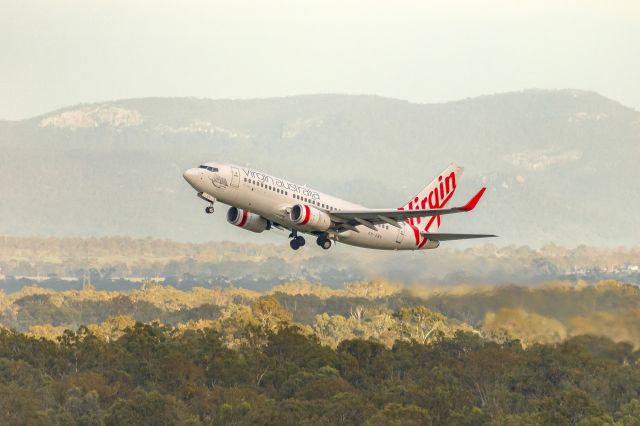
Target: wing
(371,217)
(434,236)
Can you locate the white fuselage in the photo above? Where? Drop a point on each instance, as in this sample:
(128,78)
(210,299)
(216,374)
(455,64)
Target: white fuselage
(272,198)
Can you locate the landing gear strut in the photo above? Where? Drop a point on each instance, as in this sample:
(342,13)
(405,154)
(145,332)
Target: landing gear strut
(209,199)
(324,242)
(297,241)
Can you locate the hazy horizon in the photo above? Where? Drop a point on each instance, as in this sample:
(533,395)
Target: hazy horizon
(65,53)
(302,95)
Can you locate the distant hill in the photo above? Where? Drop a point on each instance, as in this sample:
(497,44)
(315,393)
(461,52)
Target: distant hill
(560,165)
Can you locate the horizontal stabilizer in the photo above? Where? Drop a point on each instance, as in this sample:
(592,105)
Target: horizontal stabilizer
(432,236)
(379,216)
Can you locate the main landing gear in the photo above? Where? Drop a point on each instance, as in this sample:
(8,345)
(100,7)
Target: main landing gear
(324,242)
(297,241)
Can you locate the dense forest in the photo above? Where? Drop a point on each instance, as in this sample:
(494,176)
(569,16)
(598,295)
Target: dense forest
(158,375)
(370,353)
(376,310)
(235,334)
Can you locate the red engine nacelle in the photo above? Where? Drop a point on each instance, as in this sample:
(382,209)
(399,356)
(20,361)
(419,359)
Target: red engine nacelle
(308,217)
(246,220)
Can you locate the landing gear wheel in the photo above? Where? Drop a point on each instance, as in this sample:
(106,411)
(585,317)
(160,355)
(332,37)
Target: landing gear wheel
(294,244)
(299,240)
(324,242)
(209,210)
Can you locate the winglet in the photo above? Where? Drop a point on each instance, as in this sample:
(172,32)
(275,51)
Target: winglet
(472,202)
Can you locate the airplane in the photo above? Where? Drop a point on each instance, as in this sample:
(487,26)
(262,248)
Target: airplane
(259,202)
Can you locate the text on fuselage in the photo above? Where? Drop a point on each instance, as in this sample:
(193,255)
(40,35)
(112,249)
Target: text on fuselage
(281,184)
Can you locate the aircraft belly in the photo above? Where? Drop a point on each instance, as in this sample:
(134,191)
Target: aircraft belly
(383,239)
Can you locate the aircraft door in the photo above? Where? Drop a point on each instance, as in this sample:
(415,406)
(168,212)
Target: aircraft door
(400,235)
(235,177)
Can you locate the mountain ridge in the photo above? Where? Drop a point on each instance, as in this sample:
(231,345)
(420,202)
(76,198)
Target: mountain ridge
(520,144)
(529,91)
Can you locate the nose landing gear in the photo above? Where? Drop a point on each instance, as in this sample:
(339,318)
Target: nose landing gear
(209,199)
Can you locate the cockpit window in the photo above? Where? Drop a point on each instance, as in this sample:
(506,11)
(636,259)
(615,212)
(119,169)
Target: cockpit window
(211,169)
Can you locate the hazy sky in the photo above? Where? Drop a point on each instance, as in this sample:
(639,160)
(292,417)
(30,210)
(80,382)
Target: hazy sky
(55,53)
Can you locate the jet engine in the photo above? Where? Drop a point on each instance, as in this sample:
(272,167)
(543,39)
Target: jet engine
(308,217)
(246,220)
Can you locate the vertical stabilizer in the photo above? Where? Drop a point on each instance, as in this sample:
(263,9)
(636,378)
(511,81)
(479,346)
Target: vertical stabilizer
(436,195)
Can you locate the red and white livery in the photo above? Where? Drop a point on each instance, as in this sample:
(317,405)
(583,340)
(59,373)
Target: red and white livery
(260,202)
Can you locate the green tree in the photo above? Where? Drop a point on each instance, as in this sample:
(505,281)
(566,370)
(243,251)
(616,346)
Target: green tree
(570,407)
(84,407)
(142,408)
(419,323)
(629,413)
(269,313)
(395,414)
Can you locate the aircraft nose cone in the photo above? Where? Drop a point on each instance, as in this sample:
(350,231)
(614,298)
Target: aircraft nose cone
(190,176)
